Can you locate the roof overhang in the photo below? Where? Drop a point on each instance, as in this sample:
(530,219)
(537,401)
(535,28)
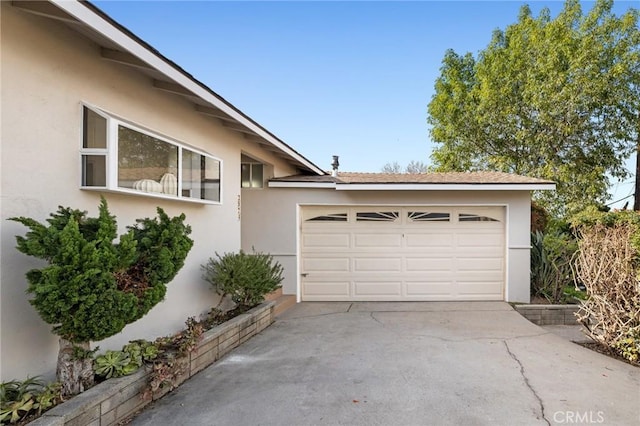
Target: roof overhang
(120,45)
(415,187)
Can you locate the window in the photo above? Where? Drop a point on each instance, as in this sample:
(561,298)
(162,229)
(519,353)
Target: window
(123,157)
(428,217)
(377,216)
(470,217)
(252,175)
(331,217)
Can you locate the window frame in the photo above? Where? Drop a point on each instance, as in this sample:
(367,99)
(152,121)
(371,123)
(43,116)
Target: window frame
(111,158)
(251,164)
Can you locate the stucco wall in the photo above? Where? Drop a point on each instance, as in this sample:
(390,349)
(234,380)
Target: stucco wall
(47,71)
(270,223)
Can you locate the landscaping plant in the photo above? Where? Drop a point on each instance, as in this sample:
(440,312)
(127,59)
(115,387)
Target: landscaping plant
(551,274)
(245,278)
(608,264)
(20,399)
(92,286)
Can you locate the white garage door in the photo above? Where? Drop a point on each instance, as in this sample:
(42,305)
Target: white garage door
(402,253)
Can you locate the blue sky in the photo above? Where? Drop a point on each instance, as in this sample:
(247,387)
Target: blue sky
(329,78)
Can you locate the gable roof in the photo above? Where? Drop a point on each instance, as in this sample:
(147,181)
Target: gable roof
(120,45)
(416,181)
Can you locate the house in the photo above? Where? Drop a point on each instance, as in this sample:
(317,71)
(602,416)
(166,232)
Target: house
(90,110)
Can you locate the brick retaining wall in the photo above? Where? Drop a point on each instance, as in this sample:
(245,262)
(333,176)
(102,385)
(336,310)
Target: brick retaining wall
(549,314)
(115,399)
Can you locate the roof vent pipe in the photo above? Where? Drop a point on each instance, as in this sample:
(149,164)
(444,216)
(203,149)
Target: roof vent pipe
(335,164)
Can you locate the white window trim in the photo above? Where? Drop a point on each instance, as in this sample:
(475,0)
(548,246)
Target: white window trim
(251,163)
(111,154)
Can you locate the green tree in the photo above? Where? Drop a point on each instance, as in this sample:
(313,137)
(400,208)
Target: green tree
(92,286)
(551,98)
(414,167)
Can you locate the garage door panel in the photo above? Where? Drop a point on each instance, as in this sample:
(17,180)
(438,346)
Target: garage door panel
(377,264)
(378,241)
(487,288)
(377,288)
(333,241)
(382,256)
(327,288)
(480,263)
(319,264)
(479,240)
(428,264)
(431,240)
(421,288)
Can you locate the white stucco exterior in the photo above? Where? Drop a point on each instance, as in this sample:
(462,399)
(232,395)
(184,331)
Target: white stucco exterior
(271,223)
(48,71)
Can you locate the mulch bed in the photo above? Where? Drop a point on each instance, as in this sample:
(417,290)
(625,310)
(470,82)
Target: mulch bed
(600,348)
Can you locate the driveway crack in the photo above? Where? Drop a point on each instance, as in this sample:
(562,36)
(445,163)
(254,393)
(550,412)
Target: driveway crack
(373,317)
(526,381)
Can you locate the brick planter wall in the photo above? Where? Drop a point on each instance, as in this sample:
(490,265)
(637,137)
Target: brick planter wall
(115,399)
(549,314)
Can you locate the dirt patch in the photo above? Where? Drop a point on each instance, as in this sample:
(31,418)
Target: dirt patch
(605,350)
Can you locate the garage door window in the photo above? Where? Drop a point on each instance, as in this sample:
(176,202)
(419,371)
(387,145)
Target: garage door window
(469,217)
(377,216)
(428,217)
(332,217)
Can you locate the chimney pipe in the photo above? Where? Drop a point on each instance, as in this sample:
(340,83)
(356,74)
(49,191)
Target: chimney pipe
(335,164)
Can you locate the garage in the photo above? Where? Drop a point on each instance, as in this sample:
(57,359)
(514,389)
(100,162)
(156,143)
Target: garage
(402,253)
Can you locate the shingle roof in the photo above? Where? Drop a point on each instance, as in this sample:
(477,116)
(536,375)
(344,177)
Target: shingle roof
(418,178)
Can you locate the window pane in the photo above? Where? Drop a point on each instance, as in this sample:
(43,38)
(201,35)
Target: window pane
(245,175)
(200,176)
(428,217)
(470,217)
(377,216)
(331,217)
(95,130)
(256,175)
(94,170)
(146,163)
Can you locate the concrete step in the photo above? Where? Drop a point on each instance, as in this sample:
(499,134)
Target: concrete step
(283,303)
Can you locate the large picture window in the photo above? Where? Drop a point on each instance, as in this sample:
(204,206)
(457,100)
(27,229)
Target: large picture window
(123,157)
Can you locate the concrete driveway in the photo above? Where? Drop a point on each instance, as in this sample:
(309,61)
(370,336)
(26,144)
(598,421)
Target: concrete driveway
(450,363)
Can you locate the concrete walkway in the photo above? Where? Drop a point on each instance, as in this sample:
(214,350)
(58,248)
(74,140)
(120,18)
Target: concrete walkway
(449,363)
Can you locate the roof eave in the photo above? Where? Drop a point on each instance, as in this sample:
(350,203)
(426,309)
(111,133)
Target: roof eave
(416,186)
(106,27)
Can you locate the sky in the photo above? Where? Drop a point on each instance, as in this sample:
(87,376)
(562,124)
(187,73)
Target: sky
(329,77)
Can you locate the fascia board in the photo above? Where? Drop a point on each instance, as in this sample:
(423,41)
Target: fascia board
(323,185)
(106,29)
(444,187)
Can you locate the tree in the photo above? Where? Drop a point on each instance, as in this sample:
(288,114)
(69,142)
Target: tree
(92,287)
(414,167)
(550,98)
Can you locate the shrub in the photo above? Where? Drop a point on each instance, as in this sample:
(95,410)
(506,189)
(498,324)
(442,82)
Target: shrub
(608,264)
(551,257)
(245,278)
(92,287)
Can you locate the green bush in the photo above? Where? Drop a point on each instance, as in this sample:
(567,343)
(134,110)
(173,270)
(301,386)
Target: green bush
(245,278)
(551,257)
(93,287)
